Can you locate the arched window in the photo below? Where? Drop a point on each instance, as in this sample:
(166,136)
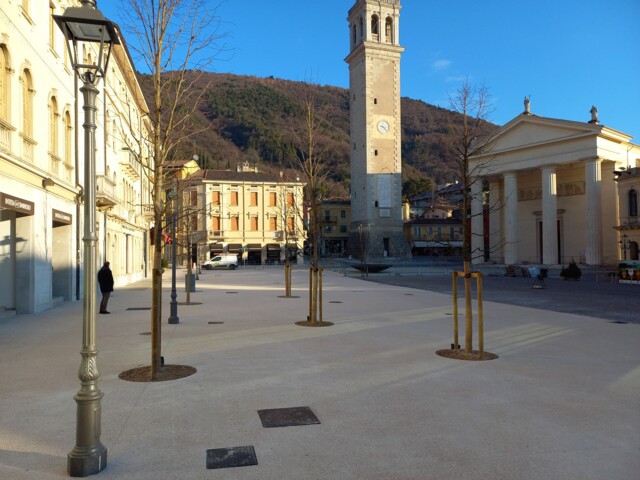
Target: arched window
(375,27)
(27,103)
(633,203)
(388,30)
(53,126)
(4,84)
(361,28)
(68,140)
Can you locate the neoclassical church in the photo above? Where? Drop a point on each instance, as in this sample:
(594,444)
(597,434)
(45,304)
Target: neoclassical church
(556,192)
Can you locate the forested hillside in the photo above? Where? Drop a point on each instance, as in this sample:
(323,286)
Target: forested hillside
(260,120)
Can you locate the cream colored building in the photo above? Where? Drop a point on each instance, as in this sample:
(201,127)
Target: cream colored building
(253,214)
(628,227)
(41,172)
(552,182)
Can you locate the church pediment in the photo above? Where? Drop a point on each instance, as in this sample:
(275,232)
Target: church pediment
(526,131)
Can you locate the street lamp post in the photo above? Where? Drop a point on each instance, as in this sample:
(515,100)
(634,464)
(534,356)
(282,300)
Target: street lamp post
(173,317)
(624,244)
(86,24)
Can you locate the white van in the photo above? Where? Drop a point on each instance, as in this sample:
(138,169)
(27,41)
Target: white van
(228,261)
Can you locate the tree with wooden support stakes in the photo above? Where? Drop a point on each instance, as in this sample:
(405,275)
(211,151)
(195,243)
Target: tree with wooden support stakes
(315,171)
(471,131)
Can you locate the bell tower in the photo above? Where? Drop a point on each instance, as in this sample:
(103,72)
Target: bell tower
(376,163)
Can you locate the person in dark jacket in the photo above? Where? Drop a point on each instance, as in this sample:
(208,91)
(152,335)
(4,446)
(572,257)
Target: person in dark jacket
(105,279)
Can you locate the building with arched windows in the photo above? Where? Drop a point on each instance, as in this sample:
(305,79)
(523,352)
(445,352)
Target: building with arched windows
(559,190)
(41,164)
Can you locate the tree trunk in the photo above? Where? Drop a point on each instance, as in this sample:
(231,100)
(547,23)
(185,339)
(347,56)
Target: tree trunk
(156,308)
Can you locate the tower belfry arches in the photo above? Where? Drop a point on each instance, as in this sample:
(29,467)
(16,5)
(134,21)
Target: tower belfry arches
(376,161)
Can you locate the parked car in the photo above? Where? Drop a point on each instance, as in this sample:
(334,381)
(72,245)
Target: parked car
(229,262)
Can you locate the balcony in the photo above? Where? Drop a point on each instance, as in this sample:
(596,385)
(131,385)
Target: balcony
(215,234)
(5,136)
(105,192)
(28,145)
(147,211)
(630,221)
(130,166)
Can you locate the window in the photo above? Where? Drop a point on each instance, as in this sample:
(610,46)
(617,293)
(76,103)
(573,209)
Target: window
(343,214)
(215,199)
(273,224)
(53,126)
(4,84)
(194,223)
(375,28)
(27,103)
(327,215)
(290,225)
(215,223)
(289,199)
(388,28)
(52,27)
(235,224)
(193,198)
(327,228)
(254,224)
(68,134)
(633,203)
(272,199)
(253,199)
(234,198)
(343,229)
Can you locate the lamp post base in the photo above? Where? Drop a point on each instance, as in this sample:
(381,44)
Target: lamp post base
(81,463)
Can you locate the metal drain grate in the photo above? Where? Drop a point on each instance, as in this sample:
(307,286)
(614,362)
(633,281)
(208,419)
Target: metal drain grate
(409,294)
(335,301)
(287,417)
(216,323)
(231,457)
(145,333)
(232,292)
(139,308)
(620,322)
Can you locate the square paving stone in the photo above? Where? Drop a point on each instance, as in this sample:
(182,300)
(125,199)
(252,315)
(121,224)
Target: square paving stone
(231,457)
(287,417)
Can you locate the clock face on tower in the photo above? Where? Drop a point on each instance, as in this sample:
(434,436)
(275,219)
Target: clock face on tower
(383,126)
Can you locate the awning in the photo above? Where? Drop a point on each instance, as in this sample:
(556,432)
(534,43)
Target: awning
(234,248)
(273,246)
(216,247)
(254,247)
(421,244)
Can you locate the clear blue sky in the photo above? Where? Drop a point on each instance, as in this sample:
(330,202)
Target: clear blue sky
(565,54)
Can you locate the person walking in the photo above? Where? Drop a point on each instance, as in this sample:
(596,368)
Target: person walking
(105,279)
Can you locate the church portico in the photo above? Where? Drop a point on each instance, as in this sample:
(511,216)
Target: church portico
(551,197)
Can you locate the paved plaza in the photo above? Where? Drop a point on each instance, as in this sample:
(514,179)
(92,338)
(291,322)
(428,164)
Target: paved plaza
(562,401)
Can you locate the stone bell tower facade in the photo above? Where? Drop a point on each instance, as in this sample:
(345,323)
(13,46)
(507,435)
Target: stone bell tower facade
(376,163)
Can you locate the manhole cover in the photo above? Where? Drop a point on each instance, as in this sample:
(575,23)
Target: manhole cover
(189,303)
(287,417)
(335,301)
(232,292)
(216,323)
(231,457)
(139,308)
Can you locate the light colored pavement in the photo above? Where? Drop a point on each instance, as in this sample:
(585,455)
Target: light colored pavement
(562,401)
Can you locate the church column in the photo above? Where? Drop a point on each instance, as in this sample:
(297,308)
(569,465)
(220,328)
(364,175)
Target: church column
(511,218)
(593,182)
(477,224)
(549,216)
(495,227)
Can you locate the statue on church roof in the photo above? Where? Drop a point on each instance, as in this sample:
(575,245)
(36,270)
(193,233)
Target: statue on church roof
(527,106)
(594,114)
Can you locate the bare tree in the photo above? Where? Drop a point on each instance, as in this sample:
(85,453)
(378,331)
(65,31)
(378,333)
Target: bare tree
(174,40)
(470,133)
(315,170)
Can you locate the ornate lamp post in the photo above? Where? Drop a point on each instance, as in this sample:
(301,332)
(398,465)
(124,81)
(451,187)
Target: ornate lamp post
(82,25)
(173,318)
(624,244)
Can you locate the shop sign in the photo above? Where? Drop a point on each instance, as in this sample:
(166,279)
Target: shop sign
(61,217)
(18,204)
